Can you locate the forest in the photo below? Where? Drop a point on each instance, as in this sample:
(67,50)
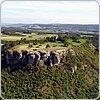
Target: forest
(56,81)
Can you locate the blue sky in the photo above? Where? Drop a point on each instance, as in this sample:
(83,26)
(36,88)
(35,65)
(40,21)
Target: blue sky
(66,12)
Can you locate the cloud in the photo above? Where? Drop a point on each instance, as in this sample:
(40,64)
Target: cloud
(50,11)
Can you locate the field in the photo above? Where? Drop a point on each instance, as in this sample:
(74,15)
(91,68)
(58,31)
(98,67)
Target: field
(53,46)
(11,38)
(27,36)
(86,35)
(81,41)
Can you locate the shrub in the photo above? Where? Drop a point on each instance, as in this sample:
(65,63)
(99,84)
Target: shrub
(35,43)
(30,45)
(66,44)
(23,39)
(47,46)
(34,49)
(54,45)
(30,36)
(78,41)
(40,45)
(37,46)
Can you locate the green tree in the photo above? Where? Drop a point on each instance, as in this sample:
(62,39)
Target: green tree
(66,44)
(47,46)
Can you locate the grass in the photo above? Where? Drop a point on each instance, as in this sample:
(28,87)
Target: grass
(39,36)
(27,36)
(53,43)
(82,41)
(53,46)
(11,38)
(86,35)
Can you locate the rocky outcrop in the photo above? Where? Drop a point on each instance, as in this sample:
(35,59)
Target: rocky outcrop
(14,58)
(9,57)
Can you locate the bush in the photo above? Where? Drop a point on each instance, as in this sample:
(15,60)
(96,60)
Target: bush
(66,44)
(30,36)
(34,49)
(54,45)
(37,46)
(23,39)
(62,45)
(78,41)
(35,43)
(47,46)
(30,45)
(40,45)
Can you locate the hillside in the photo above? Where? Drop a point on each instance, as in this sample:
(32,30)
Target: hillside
(51,28)
(57,81)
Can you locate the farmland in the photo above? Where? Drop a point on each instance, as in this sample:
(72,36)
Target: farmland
(31,36)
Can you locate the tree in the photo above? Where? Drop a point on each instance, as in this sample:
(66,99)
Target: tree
(47,46)
(74,39)
(66,44)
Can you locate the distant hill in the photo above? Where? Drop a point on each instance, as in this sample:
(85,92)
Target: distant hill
(53,28)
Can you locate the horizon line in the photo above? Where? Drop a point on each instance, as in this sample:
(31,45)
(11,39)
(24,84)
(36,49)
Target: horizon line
(54,23)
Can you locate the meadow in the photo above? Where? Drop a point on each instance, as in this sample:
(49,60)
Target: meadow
(77,43)
(53,46)
(31,36)
(57,45)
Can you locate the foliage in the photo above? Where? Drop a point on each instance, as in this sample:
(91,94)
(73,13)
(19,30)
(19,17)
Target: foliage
(55,82)
(58,81)
(66,43)
(30,45)
(47,46)
(76,43)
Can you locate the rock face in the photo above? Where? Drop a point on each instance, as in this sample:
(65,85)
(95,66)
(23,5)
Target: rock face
(9,57)
(32,58)
(24,58)
(55,58)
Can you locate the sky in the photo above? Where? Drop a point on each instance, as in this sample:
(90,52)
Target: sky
(47,12)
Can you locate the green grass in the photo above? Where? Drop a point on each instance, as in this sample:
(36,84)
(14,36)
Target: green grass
(53,43)
(39,36)
(53,46)
(32,36)
(82,41)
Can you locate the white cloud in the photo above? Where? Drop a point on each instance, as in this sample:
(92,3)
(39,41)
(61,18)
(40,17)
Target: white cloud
(50,11)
